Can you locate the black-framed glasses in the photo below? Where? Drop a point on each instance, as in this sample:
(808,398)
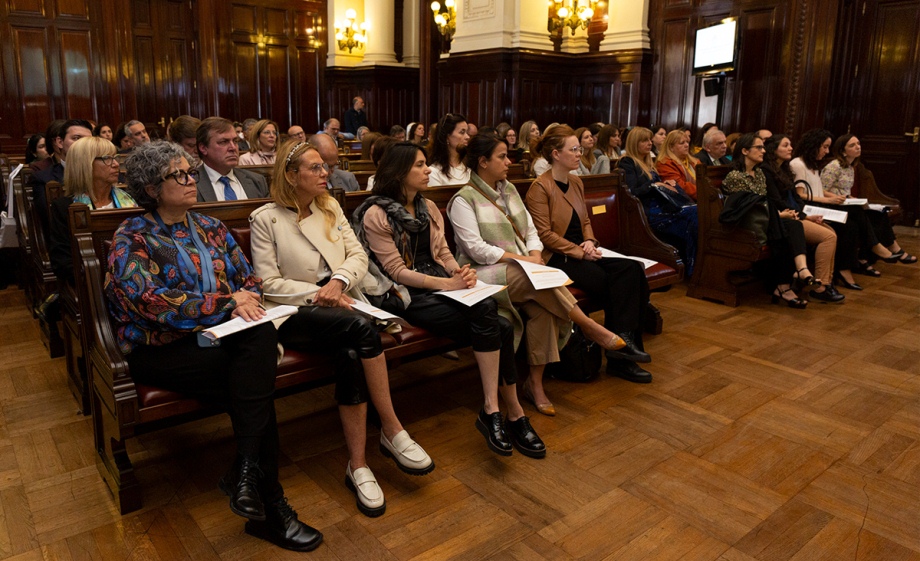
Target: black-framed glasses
(759,147)
(182,176)
(107,160)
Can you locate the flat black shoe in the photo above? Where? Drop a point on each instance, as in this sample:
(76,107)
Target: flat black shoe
(829,296)
(525,439)
(241,484)
(283,529)
(848,285)
(493,428)
(629,371)
(629,352)
(867,270)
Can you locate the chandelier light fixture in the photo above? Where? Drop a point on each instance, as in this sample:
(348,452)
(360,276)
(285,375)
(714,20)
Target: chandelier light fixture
(445,17)
(351,34)
(571,13)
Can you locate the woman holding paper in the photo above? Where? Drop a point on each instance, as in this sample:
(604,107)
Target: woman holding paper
(307,256)
(556,201)
(493,229)
(839,176)
(172,273)
(852,235)
(404,234)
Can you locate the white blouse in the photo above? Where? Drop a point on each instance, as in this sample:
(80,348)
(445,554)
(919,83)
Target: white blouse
(459,175)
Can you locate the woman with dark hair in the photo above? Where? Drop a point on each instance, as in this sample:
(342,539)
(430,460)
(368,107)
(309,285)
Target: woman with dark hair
(36,149)
(404,234)
(609,142)
(784,233)
(508,134)
(103,131)
(416,134)
(675,162)
(303,246)
(556,201)
(839,176)
(856,233)
(122,140)
(263,144)
(446,154)
(380,147)
(367,144)
(658,137)
(172,273)
(492,229)
(784,198)
(589,163)
(182,131)
(671,213)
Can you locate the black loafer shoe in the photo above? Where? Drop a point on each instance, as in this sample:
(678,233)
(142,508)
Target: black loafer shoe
(493,428)
(241,484)
(525,439)
(283,529)
(628,370)
(630,352)
(829,296)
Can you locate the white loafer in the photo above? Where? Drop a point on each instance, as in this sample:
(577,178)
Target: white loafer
(368,494)
(408,455)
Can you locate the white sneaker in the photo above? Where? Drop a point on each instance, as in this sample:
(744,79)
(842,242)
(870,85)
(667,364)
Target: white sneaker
(408,455)
(368,494)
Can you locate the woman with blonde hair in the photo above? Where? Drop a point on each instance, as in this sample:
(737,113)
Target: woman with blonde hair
(590,163)
(307,255)
(90,178)
(263,144)
(675,162)
(528,136)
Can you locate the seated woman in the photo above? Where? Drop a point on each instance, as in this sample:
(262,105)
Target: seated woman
(404,234)
(263,143)
(492,229)
(528,136)
(506,133)
(838,177)
(590,164)
(676,164)
(658,139)
(172,273)
(853,235)
(784,232)
(36,149)
(783,197)
(556,201)
(182,132)
(446,154)
(104,131)
(302,245)
(610,143)
(673,215)
(416,134)
(380,148)
(89,178)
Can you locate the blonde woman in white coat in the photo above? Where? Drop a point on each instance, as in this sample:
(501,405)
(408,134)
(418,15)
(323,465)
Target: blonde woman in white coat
(307,255)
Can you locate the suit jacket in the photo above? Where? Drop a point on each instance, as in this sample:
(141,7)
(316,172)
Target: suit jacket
(551,210)
(343,180)
(38,180)
(704,157)
(254,185)
(287,254)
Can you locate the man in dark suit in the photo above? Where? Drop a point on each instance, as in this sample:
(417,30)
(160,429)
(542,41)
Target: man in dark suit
(714,147)
(337,177)
(218,179)
(70,132)
(355,118)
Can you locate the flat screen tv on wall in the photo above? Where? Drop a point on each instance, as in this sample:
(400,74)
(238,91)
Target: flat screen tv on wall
(716,48)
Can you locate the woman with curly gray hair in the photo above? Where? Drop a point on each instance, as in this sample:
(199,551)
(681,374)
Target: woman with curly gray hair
(172,273)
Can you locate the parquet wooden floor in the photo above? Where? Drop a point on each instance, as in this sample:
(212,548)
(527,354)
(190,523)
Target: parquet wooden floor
(769,434)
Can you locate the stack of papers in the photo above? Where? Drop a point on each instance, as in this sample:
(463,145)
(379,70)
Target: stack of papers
(542,277)
(238,324)
(474,295)
(858,202)
(647,263)
(828,213)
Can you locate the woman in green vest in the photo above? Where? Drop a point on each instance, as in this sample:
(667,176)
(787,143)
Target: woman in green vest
(492,228)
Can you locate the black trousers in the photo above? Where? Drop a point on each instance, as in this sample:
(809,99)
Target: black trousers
(619,283)
(349,336)
(478,325)
(239,375)
(854,236)
(881,225)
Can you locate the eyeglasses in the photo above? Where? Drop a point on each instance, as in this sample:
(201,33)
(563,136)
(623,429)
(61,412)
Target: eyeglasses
(318,169)
(758,147)
(182,176)
(107,160)
(577,150)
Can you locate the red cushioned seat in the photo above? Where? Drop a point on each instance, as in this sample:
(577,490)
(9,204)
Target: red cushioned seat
(149,396)
(410,334)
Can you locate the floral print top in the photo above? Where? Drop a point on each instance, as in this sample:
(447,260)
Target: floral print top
(739,181)
(837,179)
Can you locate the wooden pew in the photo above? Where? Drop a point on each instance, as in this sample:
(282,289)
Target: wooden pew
(726,253)
(44,283)
(865,187)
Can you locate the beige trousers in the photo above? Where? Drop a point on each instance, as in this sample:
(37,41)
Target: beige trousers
(824,239)
(546,311)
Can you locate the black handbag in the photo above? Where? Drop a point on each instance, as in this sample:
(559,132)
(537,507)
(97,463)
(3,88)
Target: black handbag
(579,360)
(672,202)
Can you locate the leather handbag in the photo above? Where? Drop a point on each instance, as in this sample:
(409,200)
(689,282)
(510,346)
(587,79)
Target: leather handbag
(672,202)
(579,360)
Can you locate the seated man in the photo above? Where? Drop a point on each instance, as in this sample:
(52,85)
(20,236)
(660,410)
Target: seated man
(355,118)
(398,133)
(138,132)
(218,179)
(332,127)
(714,148)
(337,177)
(296,132)
(69,132)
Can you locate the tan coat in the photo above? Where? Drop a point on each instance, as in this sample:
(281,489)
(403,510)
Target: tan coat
(552,211)
(286,254)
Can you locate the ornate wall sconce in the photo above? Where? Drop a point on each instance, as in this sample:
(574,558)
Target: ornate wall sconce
(571,13)
(446,18)
(351,34)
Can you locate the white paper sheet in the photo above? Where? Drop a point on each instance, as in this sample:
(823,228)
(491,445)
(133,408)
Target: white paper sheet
(610,253)
(372,311)
(238,324)
(878,208)
(542,277)
(828,213)
(858,202)
(470,296)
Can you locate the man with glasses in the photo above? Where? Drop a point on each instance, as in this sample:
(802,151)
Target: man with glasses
(337,177)
(714,148)
(219,180)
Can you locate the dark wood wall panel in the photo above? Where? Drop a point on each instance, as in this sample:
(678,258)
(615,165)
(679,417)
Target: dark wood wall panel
(77,70)
(29,48)
(26,7)
(390,94)
(280,98)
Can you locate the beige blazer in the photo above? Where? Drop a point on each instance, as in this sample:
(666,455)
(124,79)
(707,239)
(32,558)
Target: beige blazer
(552,211)
(286,254)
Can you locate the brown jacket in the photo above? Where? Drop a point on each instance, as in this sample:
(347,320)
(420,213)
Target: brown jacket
(551,210)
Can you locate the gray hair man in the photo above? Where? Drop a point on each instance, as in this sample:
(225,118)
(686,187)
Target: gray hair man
(330,155)
(714,148)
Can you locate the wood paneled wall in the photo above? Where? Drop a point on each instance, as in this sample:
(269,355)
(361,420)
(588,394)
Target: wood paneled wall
(515,85)
(391,94)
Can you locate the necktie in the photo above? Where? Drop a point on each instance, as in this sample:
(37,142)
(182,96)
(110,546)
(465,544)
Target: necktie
(229,195)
